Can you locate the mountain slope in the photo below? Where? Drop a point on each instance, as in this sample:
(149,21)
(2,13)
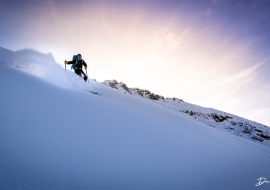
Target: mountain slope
(224,121)
(61,137)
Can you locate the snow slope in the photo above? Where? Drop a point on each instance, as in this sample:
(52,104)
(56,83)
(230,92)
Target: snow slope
(224,121)
(60,137)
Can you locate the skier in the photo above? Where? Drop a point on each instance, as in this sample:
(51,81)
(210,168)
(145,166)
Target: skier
(77,64)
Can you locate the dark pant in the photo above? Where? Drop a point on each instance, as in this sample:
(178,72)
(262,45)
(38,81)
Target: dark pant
(79,72)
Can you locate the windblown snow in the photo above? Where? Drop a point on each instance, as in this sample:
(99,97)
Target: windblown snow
(54,134)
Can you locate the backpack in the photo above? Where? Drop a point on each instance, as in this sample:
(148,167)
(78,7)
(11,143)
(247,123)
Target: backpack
(75,64)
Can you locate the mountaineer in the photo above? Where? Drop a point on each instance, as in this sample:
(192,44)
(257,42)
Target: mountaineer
(77,63)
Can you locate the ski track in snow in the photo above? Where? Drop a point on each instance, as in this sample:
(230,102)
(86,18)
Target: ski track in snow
(54,136)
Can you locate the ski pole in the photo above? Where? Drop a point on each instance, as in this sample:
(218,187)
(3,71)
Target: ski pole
(87,76)
(65,67)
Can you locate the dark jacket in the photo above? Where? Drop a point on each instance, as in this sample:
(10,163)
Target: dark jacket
(79,63)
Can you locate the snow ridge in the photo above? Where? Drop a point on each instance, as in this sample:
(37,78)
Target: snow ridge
(224,121)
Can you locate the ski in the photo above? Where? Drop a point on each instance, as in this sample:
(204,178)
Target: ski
(97,93)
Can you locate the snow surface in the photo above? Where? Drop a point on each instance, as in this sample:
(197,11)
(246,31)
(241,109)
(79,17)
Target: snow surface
(221,120)
(54,135)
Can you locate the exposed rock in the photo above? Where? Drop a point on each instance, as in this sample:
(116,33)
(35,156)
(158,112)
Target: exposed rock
(257,138)
(265,136)
(132,91)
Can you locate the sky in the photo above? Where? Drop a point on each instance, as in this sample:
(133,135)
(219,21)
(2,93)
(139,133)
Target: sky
(212,53)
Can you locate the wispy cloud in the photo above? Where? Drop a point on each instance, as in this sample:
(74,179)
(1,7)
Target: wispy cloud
(245,75)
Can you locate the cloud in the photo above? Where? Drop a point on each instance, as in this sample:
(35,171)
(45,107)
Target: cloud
(163,41)
(246,74)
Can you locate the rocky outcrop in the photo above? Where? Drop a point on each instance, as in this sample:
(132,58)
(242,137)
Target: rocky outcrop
(133,91)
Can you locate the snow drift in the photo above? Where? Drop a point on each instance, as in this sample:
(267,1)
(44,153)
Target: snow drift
(60,137)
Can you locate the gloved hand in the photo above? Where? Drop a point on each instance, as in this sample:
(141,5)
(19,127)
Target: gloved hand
(85,68)
(65,62)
